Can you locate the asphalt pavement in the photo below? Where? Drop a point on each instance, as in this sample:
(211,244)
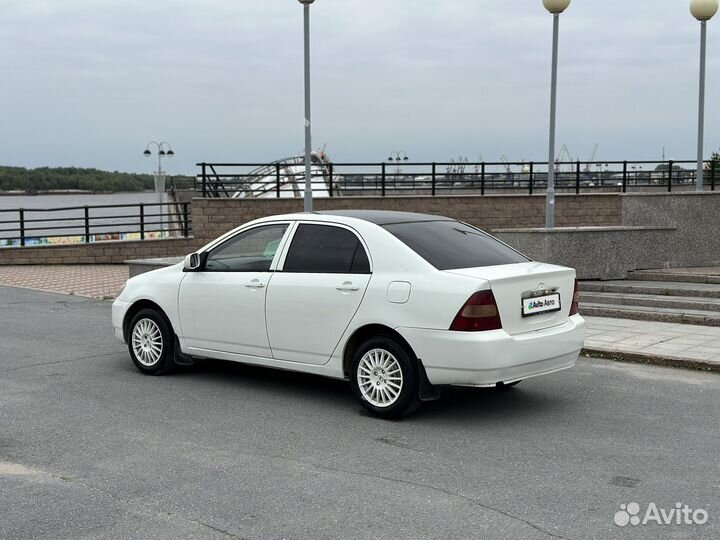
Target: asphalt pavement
(90,448)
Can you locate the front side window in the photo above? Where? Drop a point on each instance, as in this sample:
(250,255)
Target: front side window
(324,249)
(450,245)
(249,251)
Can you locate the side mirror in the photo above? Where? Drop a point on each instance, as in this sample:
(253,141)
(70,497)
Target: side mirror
(191,262)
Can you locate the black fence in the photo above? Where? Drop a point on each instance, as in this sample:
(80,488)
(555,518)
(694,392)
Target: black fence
(391,179)
(95,223)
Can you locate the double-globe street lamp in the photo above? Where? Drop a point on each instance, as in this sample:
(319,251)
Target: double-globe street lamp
(163,150)
(397,157)
(703,11)
(308,125)
(555,7)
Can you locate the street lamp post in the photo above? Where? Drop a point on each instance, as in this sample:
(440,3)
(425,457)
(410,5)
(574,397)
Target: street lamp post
(703,11)
(163,150)
(397,157)
(308,126)
(556,7)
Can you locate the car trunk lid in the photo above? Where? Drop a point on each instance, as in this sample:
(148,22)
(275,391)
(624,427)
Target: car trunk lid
(530,282)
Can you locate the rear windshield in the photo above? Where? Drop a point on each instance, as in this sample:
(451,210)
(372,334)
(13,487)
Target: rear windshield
(449,245)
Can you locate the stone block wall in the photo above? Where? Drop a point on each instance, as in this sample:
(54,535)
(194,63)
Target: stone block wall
(213,217)
(595,252)
(96,252)
(663,230)
(695,218)
(685,228)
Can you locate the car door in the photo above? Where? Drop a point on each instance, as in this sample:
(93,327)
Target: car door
(313,298)
(222,306)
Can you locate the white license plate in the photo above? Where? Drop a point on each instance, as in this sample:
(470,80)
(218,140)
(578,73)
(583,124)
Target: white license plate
(541,304)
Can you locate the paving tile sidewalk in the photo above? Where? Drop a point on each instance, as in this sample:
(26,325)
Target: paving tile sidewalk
(93,281)
(681,345)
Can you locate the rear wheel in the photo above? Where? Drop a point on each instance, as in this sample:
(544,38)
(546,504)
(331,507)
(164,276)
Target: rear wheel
(384,378)
(151,343)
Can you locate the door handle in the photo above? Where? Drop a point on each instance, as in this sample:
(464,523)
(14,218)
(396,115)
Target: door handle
(347,287)
(255,284)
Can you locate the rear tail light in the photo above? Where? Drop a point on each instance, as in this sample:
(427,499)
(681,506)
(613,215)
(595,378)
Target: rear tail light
(576,299)
(480,313)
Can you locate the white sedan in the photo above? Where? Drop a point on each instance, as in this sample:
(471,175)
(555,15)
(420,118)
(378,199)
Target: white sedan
(398,303)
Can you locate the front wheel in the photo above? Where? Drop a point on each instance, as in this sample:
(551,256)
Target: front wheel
(150,341)
(384,378)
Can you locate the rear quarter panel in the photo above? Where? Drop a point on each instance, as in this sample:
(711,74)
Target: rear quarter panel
(435,296)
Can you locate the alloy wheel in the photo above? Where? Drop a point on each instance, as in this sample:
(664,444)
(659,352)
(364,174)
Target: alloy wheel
(380,377)
(147,342)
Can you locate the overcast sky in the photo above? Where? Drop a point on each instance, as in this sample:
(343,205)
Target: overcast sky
(89,82)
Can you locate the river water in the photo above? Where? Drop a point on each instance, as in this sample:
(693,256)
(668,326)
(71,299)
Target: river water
(106,223)
(75,199)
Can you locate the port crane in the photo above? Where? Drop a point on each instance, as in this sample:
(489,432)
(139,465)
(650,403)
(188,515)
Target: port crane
(506,163)
(588,165)
(563,157)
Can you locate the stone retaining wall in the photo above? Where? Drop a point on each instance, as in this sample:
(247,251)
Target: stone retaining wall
(695,218)
(681,229)
(212,217)
(660,231)
(594,252)
(96,252)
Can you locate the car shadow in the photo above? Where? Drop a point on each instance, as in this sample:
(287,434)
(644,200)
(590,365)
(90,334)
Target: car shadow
(456,404)
(494,405)
(276,381)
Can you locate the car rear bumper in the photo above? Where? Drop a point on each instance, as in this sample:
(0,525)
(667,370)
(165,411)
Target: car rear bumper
(119,309)
(487,358)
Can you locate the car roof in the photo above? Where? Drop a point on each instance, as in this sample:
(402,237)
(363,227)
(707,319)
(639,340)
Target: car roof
(383,217)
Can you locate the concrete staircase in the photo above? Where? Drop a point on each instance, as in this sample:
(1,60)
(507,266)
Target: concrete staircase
(686,296)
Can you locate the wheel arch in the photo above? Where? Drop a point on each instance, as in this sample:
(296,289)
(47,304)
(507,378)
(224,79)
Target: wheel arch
(136,307)
(366,332)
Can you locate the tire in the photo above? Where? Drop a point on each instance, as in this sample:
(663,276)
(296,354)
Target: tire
(151,342)
(384,378)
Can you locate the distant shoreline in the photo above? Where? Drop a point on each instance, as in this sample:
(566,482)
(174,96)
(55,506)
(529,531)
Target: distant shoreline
(65,192)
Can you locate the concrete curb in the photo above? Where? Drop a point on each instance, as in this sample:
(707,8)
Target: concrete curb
(642,313)
(651,359)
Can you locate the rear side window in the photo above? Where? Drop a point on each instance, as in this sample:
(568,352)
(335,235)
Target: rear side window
(449,245)
(324,249)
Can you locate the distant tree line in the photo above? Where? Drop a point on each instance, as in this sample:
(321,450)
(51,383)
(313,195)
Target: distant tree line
(65,178)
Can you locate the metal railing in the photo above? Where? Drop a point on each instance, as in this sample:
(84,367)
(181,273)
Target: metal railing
(390,179)
(86,224)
